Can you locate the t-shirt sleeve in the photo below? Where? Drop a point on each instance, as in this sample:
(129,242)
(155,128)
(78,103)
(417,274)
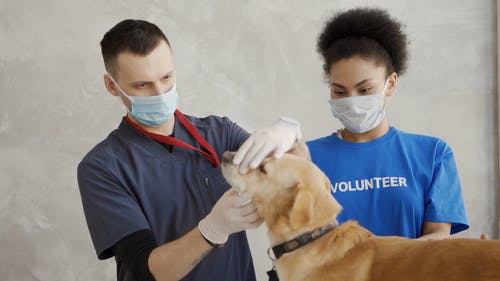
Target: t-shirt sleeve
(444,201)
(236,135)
(111,211)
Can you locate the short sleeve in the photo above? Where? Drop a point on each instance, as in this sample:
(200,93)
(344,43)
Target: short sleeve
(237,135)
(111,211)
(444,201)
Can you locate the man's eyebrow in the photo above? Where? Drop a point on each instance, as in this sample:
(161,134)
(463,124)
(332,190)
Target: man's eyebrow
(134,83)
(139,82)
(168,73)
(337,85)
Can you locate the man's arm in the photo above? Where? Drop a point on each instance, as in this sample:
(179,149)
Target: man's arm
(232,213)
(135,251)
(174,260)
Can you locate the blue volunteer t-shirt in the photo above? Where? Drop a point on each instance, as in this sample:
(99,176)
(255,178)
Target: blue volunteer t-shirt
(129,182)
(393,184)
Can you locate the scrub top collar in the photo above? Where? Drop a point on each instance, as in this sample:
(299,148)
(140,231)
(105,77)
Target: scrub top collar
(128,133)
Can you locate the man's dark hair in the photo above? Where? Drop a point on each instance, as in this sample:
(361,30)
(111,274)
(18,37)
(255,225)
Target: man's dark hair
(135,36)
(366,32)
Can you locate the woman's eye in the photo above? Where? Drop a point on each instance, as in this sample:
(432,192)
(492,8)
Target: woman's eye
(366,90)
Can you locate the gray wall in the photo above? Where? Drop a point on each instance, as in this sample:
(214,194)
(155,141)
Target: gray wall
(249,60)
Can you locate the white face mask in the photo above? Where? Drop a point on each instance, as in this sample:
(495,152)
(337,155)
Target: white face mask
(360,114)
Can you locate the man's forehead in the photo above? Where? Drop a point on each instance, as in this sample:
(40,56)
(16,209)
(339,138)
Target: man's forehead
(159,62)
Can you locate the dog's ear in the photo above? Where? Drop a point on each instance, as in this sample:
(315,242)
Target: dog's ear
(333,204)
(326,183)
(302,209)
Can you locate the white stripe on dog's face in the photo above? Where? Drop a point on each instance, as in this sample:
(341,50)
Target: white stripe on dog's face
(266,180)
(232,176)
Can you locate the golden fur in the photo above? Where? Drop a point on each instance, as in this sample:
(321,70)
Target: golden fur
(293,197)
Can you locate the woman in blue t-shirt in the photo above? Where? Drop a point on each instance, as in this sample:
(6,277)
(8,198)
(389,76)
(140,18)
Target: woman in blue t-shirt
(392,182)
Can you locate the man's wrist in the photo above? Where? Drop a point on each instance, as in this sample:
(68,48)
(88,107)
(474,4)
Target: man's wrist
(214,245)
(207,232)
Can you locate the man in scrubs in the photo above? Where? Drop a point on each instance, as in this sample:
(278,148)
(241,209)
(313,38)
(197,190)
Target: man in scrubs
(153,194)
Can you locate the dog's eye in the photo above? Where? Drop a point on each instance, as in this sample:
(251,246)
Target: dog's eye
(262,169)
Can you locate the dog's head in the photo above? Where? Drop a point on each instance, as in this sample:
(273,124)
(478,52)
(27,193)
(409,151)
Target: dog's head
(291,194)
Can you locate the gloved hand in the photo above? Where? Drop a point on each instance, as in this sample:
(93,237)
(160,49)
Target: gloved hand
(274,140)
(232,213)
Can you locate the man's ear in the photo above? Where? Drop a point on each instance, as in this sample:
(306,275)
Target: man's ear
(110,86)
(302,210)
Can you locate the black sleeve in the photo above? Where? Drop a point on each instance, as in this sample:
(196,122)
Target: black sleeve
(133,250)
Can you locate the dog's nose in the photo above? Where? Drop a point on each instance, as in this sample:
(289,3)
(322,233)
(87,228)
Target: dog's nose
(227,157)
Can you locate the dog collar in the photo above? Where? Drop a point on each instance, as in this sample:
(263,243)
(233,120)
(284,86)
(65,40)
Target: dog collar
(299,241)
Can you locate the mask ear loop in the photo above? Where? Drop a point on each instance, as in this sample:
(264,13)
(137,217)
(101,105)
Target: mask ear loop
(122,92)
(119,88)
(386,98)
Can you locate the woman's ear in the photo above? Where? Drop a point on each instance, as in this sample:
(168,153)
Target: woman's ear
(392,83)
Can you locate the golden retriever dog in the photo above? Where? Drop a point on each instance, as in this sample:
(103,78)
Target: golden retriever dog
(293,197)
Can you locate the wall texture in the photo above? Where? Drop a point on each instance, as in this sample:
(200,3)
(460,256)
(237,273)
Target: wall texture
(247,59)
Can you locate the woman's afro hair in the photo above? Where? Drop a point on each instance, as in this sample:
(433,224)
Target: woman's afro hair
(369,32)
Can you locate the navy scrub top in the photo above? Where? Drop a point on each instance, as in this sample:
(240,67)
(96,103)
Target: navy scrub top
(129,182)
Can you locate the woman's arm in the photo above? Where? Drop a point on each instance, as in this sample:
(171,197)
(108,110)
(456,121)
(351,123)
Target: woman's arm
(435,230)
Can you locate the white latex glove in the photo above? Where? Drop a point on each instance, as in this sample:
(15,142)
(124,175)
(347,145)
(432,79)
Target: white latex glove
(274,140)
(232,213)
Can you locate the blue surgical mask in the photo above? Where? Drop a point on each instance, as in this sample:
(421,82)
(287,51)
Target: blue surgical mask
(360,114)
(152,111)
